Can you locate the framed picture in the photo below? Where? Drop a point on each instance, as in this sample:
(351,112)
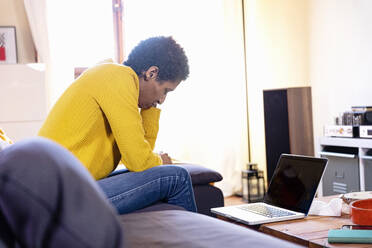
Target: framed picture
(8,45)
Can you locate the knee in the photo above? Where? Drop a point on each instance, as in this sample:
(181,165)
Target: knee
(31,156)
(178,171)
(36,148)
(182,171)
(26,171)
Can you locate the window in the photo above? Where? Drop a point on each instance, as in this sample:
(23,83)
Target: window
(99,25)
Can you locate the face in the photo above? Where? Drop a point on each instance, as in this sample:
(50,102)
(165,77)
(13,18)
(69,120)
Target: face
(152,91)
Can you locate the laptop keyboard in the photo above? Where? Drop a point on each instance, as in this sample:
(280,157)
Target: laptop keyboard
(266,210)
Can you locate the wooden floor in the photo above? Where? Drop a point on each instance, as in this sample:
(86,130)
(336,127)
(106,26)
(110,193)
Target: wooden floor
(233,200)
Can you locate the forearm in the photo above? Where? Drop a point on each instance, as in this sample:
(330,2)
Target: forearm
(150,122)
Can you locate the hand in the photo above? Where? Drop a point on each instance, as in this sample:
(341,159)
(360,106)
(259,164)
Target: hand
(166,159)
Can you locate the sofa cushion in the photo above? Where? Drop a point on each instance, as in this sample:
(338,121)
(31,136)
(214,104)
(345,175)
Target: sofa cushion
(160,206)
(174,228)
(201,175)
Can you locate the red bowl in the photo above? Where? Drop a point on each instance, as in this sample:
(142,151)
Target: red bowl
(361,212)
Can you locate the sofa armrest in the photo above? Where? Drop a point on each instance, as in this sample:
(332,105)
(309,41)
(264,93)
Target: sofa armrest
(201,175)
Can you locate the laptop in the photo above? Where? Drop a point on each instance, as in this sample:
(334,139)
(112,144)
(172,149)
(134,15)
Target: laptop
(291,191)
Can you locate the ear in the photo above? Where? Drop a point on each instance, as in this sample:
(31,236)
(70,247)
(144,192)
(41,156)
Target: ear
(152,72)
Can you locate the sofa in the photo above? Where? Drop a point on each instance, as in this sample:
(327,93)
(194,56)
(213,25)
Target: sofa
(159,225)
(165,225)
(178,228)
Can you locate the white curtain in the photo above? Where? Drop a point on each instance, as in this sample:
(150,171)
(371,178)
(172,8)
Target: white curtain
(68,34)
(59,75)
(37,17)
(204,121)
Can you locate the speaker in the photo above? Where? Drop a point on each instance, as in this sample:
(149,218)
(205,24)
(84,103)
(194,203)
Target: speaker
(288,124)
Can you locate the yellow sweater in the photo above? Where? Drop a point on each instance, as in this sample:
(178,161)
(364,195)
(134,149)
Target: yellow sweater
(98,120)
(4,140)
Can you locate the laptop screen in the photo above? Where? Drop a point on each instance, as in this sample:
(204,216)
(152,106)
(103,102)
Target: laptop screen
(294,182)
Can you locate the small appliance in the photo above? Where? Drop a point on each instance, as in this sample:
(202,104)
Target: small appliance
(365,132)
(341,131)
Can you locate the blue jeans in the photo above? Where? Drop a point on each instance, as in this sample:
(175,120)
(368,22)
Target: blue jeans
(131,191)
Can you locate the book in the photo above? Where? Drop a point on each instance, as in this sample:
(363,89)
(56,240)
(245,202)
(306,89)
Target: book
(350,236)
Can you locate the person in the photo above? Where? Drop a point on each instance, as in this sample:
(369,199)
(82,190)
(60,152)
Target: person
(110,114)
(48,199)
(4,140)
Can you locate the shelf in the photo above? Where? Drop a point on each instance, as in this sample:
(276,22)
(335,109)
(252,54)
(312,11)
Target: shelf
(345,161)
(23,102)
(348,142)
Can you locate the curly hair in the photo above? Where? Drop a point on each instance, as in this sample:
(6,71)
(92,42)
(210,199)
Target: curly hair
(162,52)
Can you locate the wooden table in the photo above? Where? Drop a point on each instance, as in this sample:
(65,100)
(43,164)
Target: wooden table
(311,231)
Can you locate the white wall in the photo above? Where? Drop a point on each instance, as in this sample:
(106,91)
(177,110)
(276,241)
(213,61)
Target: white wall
(340,58)
(204,121)
(277,57)
(12,13)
